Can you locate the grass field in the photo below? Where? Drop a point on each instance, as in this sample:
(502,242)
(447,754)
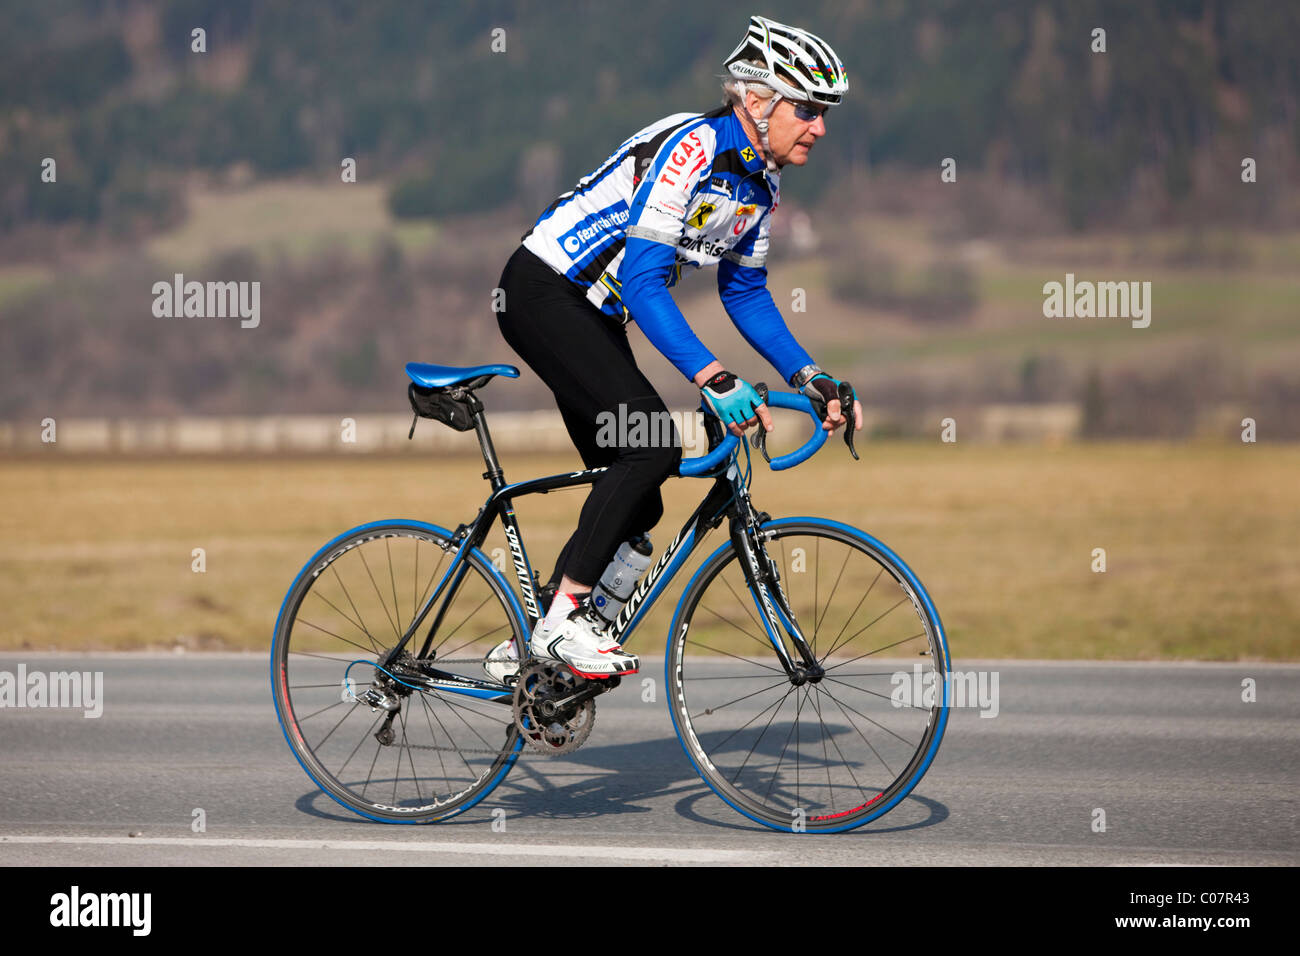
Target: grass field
(1200,542)
(296,219)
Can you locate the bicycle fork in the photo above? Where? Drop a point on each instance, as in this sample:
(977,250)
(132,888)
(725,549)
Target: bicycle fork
(764,582)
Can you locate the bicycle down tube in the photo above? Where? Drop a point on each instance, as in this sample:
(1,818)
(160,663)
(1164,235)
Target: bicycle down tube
(722,501)
(707,515)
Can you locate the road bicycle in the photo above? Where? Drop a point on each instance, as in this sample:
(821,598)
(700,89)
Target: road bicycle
(806,666)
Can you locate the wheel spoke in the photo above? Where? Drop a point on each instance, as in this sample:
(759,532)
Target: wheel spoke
(324,657)
(369,733)
(350,712)
(392,579)
(711,710)
(402,785)
(844,761)
(343,614)
(361,553)
(776,711)
(865,594)
(429,583)
(817,566)
(735,736)
(744,606)
(433,736)
(774,670)
(443,728)
(348,594)
(794,725)
(452,633)
(861,690)
(910,637)
(822,616)
(364,650)
(858,730)
(826,691)
(733,677)
(478,638)
(409,759)
(727,620)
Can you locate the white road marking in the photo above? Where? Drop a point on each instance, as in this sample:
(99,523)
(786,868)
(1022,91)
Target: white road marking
(678,854)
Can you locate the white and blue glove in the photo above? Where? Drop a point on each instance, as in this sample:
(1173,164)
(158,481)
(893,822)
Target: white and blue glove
(732,399)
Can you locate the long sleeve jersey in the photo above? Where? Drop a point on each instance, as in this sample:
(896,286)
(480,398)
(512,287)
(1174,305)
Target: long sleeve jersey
(686,192)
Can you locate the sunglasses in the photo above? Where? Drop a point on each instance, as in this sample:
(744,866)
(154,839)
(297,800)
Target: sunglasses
(806,112)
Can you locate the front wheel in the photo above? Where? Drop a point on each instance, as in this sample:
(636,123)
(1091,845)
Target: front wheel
(424,739)
(828,754)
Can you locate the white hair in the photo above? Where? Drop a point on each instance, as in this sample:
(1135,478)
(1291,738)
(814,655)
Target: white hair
(735,91)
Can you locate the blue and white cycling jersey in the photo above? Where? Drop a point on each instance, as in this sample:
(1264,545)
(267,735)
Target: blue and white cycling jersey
(686,192)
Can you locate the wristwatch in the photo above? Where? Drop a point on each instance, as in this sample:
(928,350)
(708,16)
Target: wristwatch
(804,375)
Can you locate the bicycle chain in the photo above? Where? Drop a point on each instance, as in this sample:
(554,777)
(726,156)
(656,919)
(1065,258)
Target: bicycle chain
(529,751)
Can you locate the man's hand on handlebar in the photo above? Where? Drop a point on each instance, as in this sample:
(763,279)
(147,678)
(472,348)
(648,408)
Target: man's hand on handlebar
(732,399)
(825,393)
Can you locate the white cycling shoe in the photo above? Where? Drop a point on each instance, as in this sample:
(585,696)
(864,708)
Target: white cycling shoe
(582,642)
(502,662)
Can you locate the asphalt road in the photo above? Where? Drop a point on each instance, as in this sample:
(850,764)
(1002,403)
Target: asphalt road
(1185,771)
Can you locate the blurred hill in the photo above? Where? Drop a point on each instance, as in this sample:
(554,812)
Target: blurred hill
(418,93)
(225,165)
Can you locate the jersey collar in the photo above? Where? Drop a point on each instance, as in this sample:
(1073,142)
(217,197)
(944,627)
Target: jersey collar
(749,153)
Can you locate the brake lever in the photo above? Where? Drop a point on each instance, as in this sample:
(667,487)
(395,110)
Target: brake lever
(847,400)
(759,438)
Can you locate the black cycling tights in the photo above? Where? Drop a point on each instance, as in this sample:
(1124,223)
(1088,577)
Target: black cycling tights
(584,357)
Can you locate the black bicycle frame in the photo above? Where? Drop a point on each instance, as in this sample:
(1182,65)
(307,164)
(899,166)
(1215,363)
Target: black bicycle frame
(728,498)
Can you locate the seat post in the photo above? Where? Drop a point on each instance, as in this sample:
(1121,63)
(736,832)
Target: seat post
(493,473)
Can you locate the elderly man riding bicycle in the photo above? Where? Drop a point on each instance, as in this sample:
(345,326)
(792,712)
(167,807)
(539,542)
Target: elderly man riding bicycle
(688,191)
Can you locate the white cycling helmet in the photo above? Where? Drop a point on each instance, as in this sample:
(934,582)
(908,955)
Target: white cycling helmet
(793,63)
(798,65)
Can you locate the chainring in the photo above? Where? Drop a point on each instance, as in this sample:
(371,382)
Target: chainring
(546,728)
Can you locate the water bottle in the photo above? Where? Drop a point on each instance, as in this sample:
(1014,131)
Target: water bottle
(619,580)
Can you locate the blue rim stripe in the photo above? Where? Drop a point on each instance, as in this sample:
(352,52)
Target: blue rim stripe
(670,683)
(514,605)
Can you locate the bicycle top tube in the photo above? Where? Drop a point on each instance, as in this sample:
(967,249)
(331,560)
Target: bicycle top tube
(704,464)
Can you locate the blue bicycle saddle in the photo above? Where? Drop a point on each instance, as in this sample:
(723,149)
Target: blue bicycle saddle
(441,376)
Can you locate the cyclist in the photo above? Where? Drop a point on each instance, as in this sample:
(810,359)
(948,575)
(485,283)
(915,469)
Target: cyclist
(689,191)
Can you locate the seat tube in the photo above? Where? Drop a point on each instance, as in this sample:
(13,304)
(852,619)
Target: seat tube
(523,570)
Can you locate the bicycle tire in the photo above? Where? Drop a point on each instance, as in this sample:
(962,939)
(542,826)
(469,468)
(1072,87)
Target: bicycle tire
(475,742)
(883,731)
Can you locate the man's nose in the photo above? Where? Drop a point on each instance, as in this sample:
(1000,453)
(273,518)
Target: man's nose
(818,128)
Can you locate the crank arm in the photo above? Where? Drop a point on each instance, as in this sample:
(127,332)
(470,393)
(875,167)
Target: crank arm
(595,689)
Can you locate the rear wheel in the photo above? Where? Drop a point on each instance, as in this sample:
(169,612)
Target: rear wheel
(828,754)
(443,750)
